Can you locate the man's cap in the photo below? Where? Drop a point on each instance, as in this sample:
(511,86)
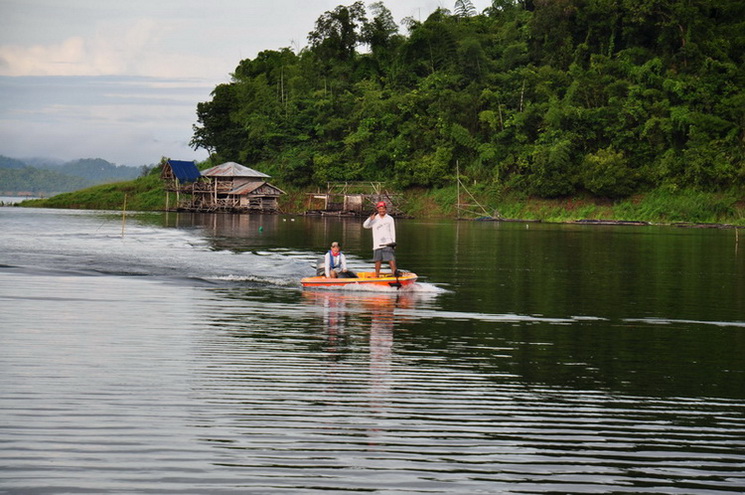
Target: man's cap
(380,203)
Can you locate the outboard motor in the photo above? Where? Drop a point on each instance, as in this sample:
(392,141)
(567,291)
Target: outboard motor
(320,266)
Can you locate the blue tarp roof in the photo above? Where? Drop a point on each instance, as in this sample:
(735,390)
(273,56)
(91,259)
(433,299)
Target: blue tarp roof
(184,171)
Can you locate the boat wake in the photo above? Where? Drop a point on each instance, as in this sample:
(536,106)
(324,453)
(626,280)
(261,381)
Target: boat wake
(180,256)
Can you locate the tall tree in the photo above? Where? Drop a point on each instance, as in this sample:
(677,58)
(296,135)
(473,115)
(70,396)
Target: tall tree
(338,32)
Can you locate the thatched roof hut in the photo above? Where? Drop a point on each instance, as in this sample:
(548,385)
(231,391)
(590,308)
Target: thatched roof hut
(229,186)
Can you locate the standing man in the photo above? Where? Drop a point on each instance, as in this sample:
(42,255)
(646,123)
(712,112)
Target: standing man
(384,237)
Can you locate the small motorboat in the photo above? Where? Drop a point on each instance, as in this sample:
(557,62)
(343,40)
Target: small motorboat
(363,279)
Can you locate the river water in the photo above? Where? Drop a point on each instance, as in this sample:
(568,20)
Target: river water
(176,353)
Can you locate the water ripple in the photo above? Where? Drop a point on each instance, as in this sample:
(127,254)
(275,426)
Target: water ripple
(113,383)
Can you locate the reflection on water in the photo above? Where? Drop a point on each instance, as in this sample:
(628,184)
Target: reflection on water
(352,396)
(181,359)
(340,307)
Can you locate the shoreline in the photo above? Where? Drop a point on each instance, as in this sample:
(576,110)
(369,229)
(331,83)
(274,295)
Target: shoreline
(662,207)
(620,223)
(584,221)
(342,214)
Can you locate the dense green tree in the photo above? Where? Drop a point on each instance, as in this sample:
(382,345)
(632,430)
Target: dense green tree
(335,39)
(218,131)
(550,97)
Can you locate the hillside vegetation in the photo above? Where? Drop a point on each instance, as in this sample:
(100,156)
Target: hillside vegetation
(48,178)
(38,181)
(547,98)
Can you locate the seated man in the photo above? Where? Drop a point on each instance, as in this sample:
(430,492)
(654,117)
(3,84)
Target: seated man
(334,262)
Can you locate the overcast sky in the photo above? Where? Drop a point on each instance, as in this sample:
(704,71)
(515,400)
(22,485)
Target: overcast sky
(121,79)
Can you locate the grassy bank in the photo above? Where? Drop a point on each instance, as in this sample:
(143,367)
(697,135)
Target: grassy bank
(142,194)
(661,206)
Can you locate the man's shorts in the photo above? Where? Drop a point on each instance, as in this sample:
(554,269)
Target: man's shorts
(384,254)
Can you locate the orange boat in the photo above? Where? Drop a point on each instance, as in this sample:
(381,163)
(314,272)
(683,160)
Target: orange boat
(363,279)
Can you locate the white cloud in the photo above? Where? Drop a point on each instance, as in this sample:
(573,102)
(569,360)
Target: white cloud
(128,121)
(64,58)
(116,48)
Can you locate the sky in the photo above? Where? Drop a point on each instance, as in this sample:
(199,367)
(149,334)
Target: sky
(120,80)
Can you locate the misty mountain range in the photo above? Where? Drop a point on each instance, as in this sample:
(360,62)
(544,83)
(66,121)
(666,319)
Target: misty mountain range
(44,177)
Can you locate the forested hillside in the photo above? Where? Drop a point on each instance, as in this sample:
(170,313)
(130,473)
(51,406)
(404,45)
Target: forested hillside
(547,97)
(37,181)
(52,177)
(98,170)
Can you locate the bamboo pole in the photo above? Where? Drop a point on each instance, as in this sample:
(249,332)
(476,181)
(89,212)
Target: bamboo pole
(124,214)
(457,181)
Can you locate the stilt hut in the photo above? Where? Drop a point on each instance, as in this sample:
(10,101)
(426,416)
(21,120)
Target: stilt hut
(231,186)
(226,187)
(179,177)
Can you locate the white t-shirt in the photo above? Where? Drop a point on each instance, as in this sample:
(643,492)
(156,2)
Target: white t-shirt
(384,230)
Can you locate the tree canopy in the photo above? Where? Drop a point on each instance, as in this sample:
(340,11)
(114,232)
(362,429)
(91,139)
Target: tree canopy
(549,97)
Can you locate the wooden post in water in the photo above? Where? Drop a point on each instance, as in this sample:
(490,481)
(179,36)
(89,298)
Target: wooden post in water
(457,182)
(124,214)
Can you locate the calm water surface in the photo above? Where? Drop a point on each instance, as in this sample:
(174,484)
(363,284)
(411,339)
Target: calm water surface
(178,354)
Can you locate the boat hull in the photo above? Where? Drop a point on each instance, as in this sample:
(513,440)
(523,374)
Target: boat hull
(365,279)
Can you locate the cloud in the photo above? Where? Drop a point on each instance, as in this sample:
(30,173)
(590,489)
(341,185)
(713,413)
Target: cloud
(126,120)
(136,48)
(64,58)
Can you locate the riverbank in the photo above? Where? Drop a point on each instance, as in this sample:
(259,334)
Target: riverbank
(682,208)
(656,207)
(8,200)
(673,207)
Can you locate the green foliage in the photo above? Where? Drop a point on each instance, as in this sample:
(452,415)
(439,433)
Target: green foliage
(428,169)
(550,169)
(548,97)
(338,32)
(606,173)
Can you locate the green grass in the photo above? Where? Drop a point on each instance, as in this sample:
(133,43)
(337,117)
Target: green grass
(142,194)
(660,206)
(682,206)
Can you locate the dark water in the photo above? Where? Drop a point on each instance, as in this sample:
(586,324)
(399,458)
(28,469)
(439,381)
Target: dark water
(183,357)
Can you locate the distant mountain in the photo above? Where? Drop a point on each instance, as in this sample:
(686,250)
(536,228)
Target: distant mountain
(6,162)
(47,176)
(38,182)
(41,162)
(97,170)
